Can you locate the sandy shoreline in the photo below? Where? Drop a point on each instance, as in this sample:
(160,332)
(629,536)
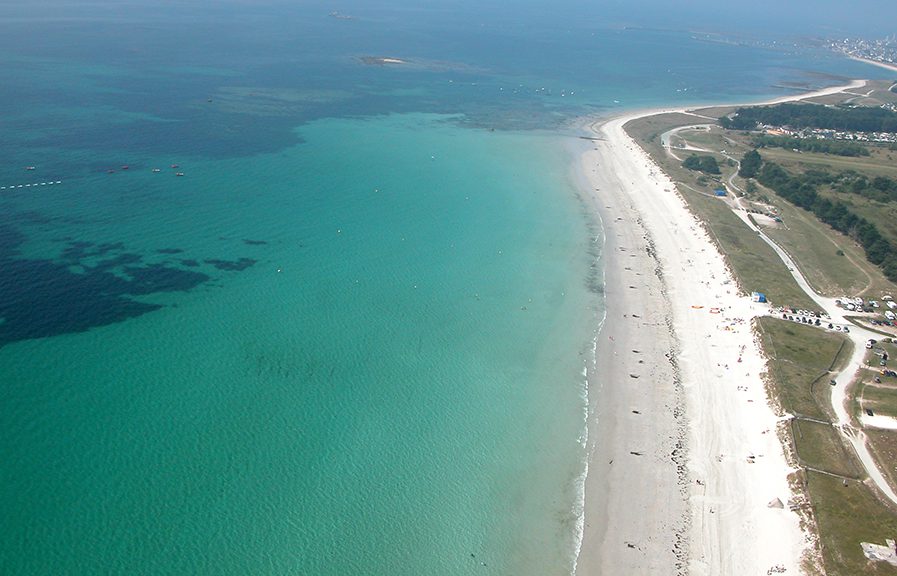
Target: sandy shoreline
(684,455)
(884,65)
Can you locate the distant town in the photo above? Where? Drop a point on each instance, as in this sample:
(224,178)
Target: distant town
(882,50)
(827,134)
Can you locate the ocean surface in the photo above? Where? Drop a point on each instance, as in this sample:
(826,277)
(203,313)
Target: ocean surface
(352,337)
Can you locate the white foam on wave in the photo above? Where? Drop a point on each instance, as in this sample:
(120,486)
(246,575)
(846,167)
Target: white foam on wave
(579,503)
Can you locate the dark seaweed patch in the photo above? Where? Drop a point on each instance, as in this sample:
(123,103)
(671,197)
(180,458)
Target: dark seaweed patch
(117,261)
(40,298)
(190,262)
(162,278)
(241,264)
(254,242)
(79,250)
(169,251)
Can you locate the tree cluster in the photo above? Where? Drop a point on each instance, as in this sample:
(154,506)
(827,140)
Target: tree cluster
(750,164)
(835,147)
(798,116)
(705,164)
(801,190)
(879,189)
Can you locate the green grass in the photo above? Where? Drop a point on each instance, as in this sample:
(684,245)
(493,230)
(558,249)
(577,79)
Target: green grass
(848,515)
(650,128)
(882,400)
(851,274)
(816,247)
(883,444)
(808,240)
(802,161)
(819,446)
(801,358)
(845,515)
(754,262)
(881,163)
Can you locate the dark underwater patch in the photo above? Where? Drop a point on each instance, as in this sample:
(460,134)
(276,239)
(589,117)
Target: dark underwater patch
(237,265)
(254,242)
(41,297)
(79,250)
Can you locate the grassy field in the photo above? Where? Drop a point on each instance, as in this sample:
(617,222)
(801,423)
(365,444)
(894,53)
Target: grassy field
(847,511)
(881,399)
(848,515)
(801,357)
(883,444)
(832,263)
(819,447)
(881,162)
(754,263)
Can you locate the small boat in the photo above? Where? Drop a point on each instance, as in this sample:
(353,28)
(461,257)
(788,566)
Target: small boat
(156,170)
(174,165)
(110,171)
(178,173)
(30,167)
(125,167)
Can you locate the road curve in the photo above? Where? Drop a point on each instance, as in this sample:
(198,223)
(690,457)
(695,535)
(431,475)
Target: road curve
(858,337)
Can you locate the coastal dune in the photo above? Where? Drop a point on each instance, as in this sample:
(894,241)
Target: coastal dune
(687,474)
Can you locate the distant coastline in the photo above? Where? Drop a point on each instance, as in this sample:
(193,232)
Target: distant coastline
(885,65)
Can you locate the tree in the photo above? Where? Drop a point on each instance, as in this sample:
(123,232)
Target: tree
(750,164)
(709,165)
(692,162)
(706,164)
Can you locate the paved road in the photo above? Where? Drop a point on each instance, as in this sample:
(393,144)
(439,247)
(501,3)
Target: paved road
(858,337)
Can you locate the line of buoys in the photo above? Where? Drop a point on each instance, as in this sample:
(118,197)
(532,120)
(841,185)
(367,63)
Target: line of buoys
(32,185)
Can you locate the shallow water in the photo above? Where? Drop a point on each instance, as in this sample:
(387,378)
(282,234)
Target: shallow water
(350,339)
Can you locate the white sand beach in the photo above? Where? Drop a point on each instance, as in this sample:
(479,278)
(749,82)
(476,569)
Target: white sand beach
(685,456)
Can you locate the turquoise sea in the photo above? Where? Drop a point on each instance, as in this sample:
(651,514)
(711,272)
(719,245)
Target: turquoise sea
(352,337)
